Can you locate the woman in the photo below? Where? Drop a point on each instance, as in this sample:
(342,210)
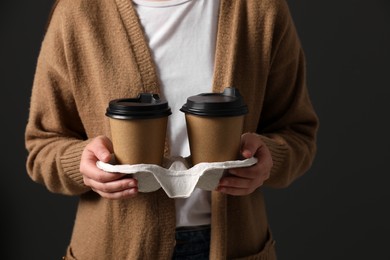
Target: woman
(96,51)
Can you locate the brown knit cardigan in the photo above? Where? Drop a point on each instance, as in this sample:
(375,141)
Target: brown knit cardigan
(95,51)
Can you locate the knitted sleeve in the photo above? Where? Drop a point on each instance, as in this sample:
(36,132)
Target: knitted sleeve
(288,122)
(54,134)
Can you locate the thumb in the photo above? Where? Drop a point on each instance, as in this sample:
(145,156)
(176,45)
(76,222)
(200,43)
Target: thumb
(249,144)
(102,147)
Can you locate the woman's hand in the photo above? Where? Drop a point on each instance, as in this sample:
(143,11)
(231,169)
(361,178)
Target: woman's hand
(245,180)
(108,185)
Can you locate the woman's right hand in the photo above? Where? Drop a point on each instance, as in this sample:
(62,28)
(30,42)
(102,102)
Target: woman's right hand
(108,185)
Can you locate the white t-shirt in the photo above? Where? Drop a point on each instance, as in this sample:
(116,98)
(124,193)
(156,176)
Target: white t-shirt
(181,35)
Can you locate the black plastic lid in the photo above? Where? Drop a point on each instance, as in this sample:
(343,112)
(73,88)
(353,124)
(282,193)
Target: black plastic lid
(227,103)
(145,106)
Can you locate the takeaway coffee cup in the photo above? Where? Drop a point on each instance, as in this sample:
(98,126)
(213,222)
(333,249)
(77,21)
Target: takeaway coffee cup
(138,128)
(214,125)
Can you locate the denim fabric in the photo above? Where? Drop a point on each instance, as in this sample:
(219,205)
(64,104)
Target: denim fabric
(192,244)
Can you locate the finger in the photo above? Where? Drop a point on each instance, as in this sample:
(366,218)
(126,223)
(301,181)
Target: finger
(234,191)
(260,171)
(243,182)
(98,149)
(101,148)
(234,182)
(129,193)
(90,170)
(250,143)
(251,172)
(113,186)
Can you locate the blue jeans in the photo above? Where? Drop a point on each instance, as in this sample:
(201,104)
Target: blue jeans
(192,243)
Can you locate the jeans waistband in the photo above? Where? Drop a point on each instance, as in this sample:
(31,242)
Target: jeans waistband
(193,228)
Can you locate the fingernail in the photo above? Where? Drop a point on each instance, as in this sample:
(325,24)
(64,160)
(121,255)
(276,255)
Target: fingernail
(105,156)
(132,191)
(223,183)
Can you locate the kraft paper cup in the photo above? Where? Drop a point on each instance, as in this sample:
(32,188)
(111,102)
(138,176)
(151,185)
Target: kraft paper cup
(138,128)
(214,125)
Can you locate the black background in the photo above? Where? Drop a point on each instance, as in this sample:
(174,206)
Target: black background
(338,210)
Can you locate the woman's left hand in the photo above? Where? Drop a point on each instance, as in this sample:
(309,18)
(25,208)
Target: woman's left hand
(245,180)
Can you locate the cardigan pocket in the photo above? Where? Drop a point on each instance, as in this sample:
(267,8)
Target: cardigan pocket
(267,253)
